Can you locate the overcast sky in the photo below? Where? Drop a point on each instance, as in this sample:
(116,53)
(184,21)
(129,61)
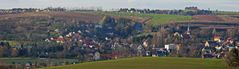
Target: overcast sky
(228,5)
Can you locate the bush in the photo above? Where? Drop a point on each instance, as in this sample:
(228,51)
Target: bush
(2,66)
(232,58)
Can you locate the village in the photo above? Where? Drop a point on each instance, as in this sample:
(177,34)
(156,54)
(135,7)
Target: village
(81,36)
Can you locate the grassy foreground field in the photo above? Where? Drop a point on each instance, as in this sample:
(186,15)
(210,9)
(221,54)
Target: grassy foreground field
(150,63)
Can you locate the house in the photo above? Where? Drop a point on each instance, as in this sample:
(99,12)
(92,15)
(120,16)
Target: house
(230,43)
(47,40)
(177,35)
(145,44)
(170,47)
(97,56)
(60,39)
(186,36)
(206,44)
(217,38)
(138,27)
(211,44)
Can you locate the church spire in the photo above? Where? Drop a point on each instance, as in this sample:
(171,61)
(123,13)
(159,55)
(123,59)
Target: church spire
(214,31)
(188,29)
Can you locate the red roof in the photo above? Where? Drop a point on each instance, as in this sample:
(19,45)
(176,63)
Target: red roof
(59,39)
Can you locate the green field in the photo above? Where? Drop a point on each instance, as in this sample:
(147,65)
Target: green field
(156,18)
(151,63)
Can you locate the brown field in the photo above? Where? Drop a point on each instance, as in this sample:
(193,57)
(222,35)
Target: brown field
(214,18)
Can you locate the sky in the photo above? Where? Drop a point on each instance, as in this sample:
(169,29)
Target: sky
(224,5)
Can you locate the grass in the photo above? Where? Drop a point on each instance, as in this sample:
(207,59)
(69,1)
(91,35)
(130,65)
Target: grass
(11,43)
(156,18)
(150,63)
(164,18)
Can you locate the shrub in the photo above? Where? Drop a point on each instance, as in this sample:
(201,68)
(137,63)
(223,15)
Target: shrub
(232,58)
(4,66)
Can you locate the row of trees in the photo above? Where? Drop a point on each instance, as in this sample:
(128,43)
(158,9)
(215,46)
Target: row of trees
(177,12)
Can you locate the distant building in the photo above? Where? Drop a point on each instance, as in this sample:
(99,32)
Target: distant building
(97,56)
(60,39)
(54,9)
(191,8)
(138,27)
(170,46)
(217,38)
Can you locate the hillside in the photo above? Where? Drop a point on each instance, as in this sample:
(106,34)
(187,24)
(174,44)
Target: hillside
(157,19)
(211,18)
(150,63)
(36,25)
(153,19)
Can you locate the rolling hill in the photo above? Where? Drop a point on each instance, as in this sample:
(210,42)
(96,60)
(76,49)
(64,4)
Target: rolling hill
(153,19)
(150,63)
